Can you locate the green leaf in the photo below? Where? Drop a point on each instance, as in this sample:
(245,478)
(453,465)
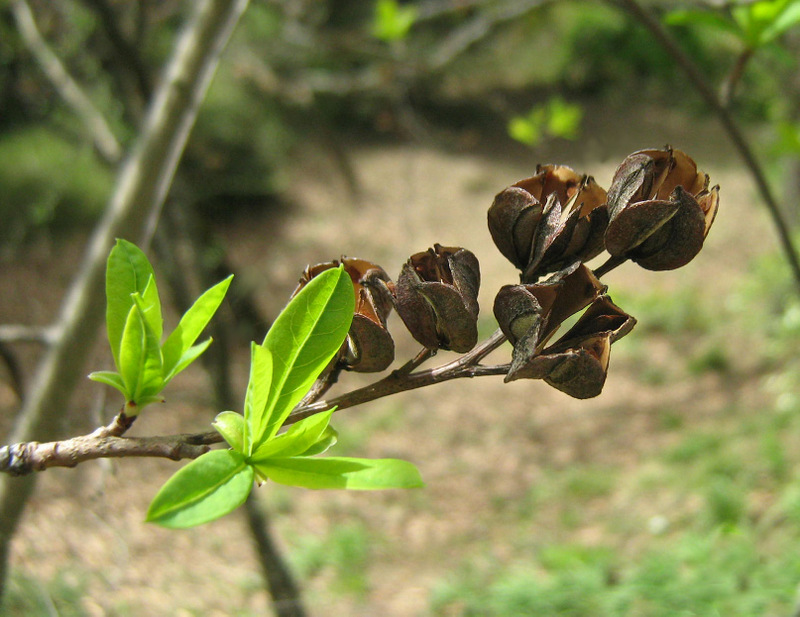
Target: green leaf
(191,326)
(132,352)
(109,378)
(151,380)
(230,425)
(127,272)
(297,440)
(209,487)
(257,394)
(151,308)
(392,22)
(189,356)
(303,340)
(786,20)
(340,472)
(707,19)
(328,438)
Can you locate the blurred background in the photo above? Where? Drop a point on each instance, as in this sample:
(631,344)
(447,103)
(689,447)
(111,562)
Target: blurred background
(375,129)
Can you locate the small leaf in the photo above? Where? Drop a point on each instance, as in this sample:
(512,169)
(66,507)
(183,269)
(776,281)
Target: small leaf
(787,19)
(230,425)
(209,487)
(297,440)
(341,472)
(328,438)
(151,380)
(257,394)
(151,308)
(132,352)
(303,339)
(192,325)
(189,356)
(110,378)
(127,272)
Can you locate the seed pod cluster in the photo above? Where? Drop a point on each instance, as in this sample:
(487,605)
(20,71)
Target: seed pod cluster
(656,213)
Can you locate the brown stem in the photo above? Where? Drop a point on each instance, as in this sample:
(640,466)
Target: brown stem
(612,262)
(106,442)
(398,381)
(728,89)
(725,118)
(24,458)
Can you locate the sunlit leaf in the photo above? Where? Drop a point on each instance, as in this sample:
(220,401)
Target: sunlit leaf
(230,425)
(209,487)
(191,326)
(303,340)
(257,394)
(109,378)
(297,440)
(340,472)
(127,272)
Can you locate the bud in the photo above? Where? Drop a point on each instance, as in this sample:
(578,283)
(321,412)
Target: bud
(436,296)
(660,209)
(369,347)
(544,223)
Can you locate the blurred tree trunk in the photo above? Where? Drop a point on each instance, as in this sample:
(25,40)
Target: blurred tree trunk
(142,184)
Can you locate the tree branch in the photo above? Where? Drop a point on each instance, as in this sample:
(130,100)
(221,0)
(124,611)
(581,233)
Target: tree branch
(25,458)
(102,135)
(141,187)
(725,118)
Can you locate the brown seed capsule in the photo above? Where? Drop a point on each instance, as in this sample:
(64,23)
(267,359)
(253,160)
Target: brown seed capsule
(436,296)
(369,347)
(577,363)
(660,209)
(544,223)
(529,314)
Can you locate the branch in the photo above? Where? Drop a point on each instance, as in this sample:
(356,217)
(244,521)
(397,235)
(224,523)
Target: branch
(700,84)
(102,135)
(141,187)
(16,333)
(107,442)
(25,458)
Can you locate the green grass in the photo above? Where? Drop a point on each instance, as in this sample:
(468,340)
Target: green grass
(32,597)
(345,552)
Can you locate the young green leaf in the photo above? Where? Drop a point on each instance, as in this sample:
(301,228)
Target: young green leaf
(150,305)
(341,472)
(127,272)
(297,440)
(257,394)
(209,487)
(110,378)
(178,346)
(303,339)
(230,425)
(151,380)
(132,352)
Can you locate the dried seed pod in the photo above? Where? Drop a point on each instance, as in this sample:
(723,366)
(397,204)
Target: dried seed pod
(369,347)
(660,209)
(436,296)
(544,223)
(577,364)
(529,314)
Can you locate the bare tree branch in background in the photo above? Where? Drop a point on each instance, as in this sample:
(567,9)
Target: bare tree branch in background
(741,144)
(103,137)
(142,185)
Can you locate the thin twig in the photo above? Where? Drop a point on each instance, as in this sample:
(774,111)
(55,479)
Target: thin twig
(96,125)
(17,333)
(700,83)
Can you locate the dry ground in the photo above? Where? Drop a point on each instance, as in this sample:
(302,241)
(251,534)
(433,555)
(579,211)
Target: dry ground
(483,447)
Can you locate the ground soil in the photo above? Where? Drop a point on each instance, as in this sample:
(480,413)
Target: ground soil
(482,446)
